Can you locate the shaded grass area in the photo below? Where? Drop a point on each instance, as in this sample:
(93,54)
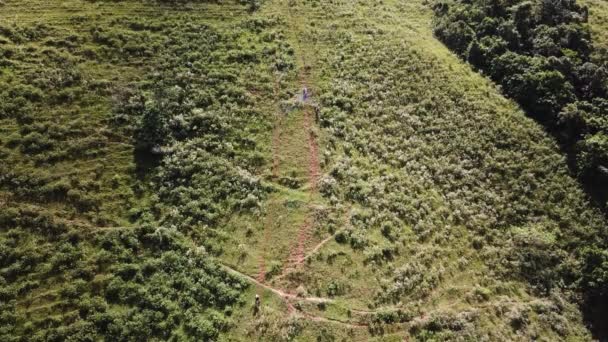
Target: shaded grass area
(598,21)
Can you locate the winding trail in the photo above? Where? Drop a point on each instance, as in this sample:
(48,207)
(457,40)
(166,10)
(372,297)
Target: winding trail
(316,248)
(312,252)
(276,291)
(291,298)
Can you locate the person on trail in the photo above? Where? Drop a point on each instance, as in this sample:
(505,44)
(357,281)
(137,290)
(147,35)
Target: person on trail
(304,94)
(256,307)
(317,114)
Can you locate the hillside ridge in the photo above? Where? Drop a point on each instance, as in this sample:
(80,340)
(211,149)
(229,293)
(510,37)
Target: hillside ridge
(161,167)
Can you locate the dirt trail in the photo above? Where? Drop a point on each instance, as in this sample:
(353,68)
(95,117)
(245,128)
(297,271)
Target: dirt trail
(305,231)
(304,238)
(318,246)
(304,244)
(279,292)
(362,315)
(291,298)
(314,167)
(301,260)
(297,253)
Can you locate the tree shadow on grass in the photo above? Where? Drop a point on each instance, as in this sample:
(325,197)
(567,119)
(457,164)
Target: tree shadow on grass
(145,162)
(595,313)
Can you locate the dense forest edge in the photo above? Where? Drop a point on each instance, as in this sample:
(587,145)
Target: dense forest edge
(542,55)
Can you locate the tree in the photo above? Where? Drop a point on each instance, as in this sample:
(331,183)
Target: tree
(594,281)
(592,157)
(572,120)
(591,80)
(507,30)
(153,130)
(545,41)
(475,54)
(456,35)
(523,17)
(595,270)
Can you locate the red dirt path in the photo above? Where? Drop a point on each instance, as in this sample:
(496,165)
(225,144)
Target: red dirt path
(298,250)
(314,168)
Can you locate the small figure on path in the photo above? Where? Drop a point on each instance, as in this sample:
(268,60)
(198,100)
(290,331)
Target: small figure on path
(304,94)
(256,306)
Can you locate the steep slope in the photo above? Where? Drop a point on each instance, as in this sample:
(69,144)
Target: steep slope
(454,213)
(598,21)
(403,198)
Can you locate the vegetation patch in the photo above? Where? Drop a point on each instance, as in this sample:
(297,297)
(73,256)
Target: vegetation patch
(541,53)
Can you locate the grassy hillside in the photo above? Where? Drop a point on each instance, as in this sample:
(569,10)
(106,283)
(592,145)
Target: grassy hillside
(161,167)
(598,20)
(99,235)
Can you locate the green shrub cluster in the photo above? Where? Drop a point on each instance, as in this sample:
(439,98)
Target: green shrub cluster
(124,284)
(195,113)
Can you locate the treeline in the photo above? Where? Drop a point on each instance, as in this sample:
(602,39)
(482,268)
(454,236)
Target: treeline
(541,53)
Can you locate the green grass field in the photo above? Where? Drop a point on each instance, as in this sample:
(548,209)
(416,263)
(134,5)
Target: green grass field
(598,19)
(405,199)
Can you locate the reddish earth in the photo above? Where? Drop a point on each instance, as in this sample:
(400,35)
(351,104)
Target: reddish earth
(298,250)
(314,168)
(261,270)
